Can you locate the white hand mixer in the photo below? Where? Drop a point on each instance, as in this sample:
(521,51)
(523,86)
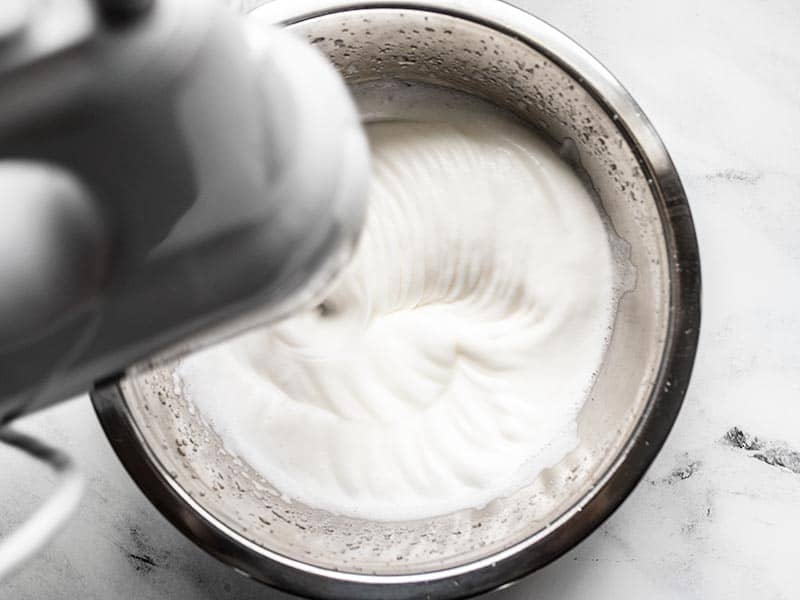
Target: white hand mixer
(170,175)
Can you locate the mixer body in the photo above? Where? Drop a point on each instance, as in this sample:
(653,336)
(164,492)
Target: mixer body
(171,175)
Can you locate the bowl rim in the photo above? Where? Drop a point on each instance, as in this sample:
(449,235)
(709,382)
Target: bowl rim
(632,460)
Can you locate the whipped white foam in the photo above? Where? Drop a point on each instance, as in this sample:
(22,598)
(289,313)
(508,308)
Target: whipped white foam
(449,364)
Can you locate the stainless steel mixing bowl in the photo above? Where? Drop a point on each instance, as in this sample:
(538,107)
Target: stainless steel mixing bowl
(491,50)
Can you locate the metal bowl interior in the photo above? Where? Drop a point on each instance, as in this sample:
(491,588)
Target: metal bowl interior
(390,53)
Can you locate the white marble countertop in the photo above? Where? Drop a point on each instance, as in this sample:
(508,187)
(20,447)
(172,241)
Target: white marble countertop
(721,82)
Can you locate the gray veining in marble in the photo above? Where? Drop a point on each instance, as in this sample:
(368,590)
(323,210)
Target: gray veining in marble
(717,515)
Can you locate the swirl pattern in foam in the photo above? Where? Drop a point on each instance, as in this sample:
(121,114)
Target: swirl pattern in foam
(448,366)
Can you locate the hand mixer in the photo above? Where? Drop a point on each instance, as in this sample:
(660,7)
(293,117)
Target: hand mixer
(170,175)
